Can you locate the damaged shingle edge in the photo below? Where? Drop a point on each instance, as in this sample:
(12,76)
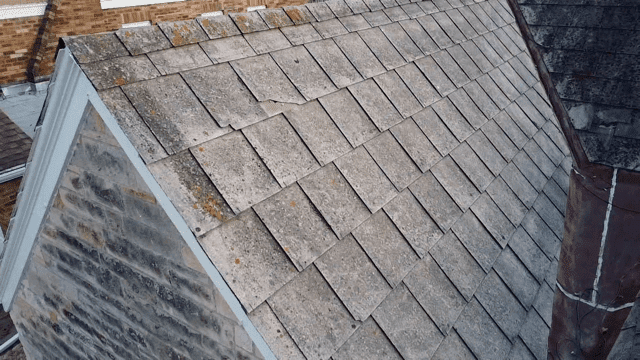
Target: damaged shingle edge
(31,214)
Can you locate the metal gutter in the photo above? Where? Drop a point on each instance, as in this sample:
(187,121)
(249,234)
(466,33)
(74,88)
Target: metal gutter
(9,343)
(13,173)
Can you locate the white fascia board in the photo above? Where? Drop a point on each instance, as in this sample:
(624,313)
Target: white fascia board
(114,4)
(22,10)
(255,8)
(136,24)
(80,92)
(12,173)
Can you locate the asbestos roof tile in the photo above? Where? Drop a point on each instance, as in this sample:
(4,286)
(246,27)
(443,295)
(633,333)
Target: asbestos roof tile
(320,11)
(119,71)
(281,149)
(301,34)
(296,225)
(435,31)
(403,2)
(514,33)
(413,10)
(482,15)
(462,23)
(543,107)
(449,27)
(499,140)
(265,79)
(457,3)
(299,14)
(349,117)
(428,7)
(225,96)
(376,18)
(520,118)
(452,347)
(540,158)
(382,48)
(551,216)
(556,195)
(227,49)
(481,334)
(330,28)
(514,78)
(402,41)
(318,132)
(504,84)
(497,45)
(92,48)
(236,170)
(218,26)
(436,76)
(375,104)
(552,274)
(469,110)
(491,12)
(183,32)
(368,342)
(494,92)
(418,84)
(274,333)
(501,305)
(442,5)
(506,41)
(359,54)
(172,112)
(476,240)
(511,129)
(398,93)
(487,50)
(455,182)
(335,199)
(530,171)
(460,267)
(436,201)
(534,334)
(523,285)
(191,191)
(249,258)
(507,201)
(142,138)
(562,179)
(339,7)
(407,325)
(354,278)
(437,132)
(396,13)
(413,222)
(544,303)
(472,166)
(519,351)
(267,41)
(374,5)
(275,18)
(519,184)
(419,36)
(453,119)
(392,159)
(493,219)
(416,144)
(313,315)
(354,23)
(334,62)
(473,20)
(503,9)
(178,59)
(366,178)
(249,22)
(357,6)
(481,99)
(530,254)
(464,61)
(437,295)
(143,39)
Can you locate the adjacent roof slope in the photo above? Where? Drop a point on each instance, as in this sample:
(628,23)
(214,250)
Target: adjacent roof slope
(14,144)
(372,179)
(592,52)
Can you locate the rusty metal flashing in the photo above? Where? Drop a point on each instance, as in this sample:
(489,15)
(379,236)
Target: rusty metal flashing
(577,151)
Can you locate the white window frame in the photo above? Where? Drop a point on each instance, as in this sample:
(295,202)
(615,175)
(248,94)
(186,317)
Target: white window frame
(115,4)
(22,10)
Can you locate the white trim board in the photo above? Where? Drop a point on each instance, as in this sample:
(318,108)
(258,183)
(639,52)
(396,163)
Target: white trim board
(22,10)
(114,4)
(68,102)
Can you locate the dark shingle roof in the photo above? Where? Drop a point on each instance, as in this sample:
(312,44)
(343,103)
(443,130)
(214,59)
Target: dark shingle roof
(380,180)
(14,144)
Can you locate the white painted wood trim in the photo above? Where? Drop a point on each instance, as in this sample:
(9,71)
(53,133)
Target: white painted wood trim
(114,4)
(254,8)
(12,173)
(136,24)
(22,10)
(213,13)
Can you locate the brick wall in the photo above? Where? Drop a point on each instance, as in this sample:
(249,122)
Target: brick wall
(76,17)
(8,193)
(110,276)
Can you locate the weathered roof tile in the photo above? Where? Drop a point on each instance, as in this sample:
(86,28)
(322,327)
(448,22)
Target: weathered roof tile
(530,254)
(402,41)
(482,15)
(407,325)
(375,104)
(435,31)
(489,155)
(396,13)
(487,50)
(462,23)
(501,305)
(275,18)
(92,48)
(452,347)
(453,71)
(481,99)
(499,140)
(354,23)
(218,26)
(249,258)
(540,158)
(281,149)
(449,27)
(519,351)
(301,34)
(389,3)
(507,200)
(464,61)
(477,240)
(416,144)
(534,334)
(267,41)
(274,333)
(556,195)
(119,71)
(392,159)
(428,7)
(382,48)
(299,14)
(513,132)
(313,315)
(521,119)
(437,295)
(178,59)
(419,36)
(442,5)
(330,28)
(296,225)
(495,17)
(530,170)
(339,7)
(472,18)
(368,342)
(418,84)
(374,5)
(349,117)
(523,285)
(481,334)
(519,184)
(353,277)
(334,63)
(506,41)
(514,78)
(227,49)
(551,216)
(472,166)
(143,39)
(497,45)
(436,131)
(413,10)
(376,18)
(172,112)
(183,32)
(436,76)
(504,84)
(249,22)
(544,303)
(493,219)
(320,11)
(335,199)
(225,96)
(436,201)
(469,110)
(357,6)
(265,79)
(359,54)
(318,132)
(398,93)
(453,119)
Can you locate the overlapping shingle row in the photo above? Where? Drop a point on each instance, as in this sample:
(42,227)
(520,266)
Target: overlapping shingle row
(373,179)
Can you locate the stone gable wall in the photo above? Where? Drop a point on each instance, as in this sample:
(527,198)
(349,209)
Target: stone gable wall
(110,276)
